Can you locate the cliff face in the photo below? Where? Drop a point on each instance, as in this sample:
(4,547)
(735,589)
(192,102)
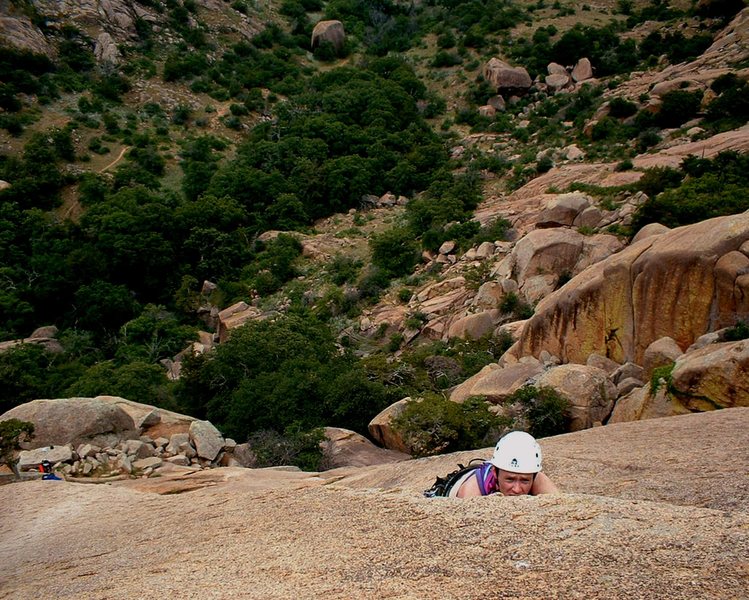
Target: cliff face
(653,509)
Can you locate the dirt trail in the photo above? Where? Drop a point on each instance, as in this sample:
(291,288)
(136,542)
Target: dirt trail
(116,160)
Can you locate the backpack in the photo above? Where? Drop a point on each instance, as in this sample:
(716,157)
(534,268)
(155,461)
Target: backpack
(442,485)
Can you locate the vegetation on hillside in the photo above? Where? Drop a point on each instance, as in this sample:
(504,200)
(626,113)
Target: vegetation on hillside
(262,134)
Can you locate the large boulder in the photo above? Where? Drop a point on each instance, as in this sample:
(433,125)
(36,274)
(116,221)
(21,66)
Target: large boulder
(660,353)
(206,439)
(540,258)
(381,430)
(716,376)
(642,403)
(664,285)
(590,393)
(74,421)
(563,209)
(474,326)
(346,448)
(151,420)
(583,70)
(329,31)
(497,383)
(506,78)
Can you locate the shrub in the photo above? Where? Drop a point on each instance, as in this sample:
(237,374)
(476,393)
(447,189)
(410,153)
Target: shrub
(657,179)
(658,375)
(546,410)
(433,425)
(678,107)
(619,108)
(740,331)
(395,251)
(294,447)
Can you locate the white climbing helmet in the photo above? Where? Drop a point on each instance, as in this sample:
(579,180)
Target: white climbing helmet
(517,452)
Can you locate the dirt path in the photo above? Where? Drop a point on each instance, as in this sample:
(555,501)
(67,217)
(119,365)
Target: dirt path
(116,160)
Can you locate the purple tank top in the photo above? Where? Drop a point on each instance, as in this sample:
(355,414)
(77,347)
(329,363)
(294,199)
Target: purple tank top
(486,477)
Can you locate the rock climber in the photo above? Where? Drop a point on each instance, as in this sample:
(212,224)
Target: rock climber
(513,470)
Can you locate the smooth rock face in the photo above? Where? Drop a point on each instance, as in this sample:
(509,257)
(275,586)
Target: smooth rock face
(716,376)
(641,404)
(583,70)
(661,286)
(74,421)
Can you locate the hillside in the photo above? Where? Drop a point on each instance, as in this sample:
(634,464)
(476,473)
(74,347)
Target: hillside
(290,215)
(654,509)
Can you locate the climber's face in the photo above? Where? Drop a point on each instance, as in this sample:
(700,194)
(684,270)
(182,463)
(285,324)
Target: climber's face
(514,484)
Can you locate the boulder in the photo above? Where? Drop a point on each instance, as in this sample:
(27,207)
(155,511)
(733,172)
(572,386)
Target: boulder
(489,295)
(563,210)
(506,78)
(641,404)
(474,326)
(590,393)
(583,70)
(153,421)
(346,448)
(661,286)
(716,376)
(555,69)
(235,316)
(31,459)
(497,383)
(660,353)
(649,230)
(603,363)
(625,386)
(74,421)
(206,439)
(106,51)
(589,217)
(244,455)
(329,31)
(152,462)
(176,441)
(557,81)
(487,111)
(497,102)
(381,430)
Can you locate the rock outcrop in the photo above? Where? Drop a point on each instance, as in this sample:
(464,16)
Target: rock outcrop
(505,78)
(631,523)
(661,286)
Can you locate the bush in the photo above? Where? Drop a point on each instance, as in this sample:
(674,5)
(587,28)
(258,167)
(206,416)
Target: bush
(679,106)
(433,425)
(546,410)
(395,251)
(619,108)
(294,447)
(740,331)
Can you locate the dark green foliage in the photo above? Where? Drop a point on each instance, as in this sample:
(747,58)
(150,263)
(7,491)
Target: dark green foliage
(546,410)
(343,269)
(731,108)
(434,425)
(678,107)
(137,380)
(619,108)
(292,447)
(395,251)
(714,188)
(446,59)
(273,374)
(513,304)
(273,265)
(740,331)
(657,179)
(675,46)
(13,432)
(544,164)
